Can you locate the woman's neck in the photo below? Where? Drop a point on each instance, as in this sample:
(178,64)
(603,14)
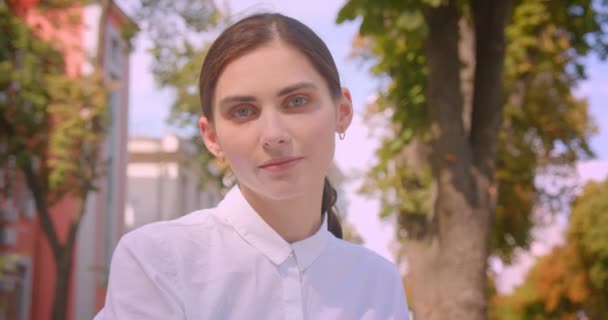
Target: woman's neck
(294,219)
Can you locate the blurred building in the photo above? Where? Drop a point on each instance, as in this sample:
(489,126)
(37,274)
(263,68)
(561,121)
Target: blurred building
(28,289)
(163,181)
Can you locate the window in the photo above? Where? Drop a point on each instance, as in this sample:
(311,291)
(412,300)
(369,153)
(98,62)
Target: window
(8,212)
(27,204)
(112,150)
(2,182)
(114,52)
(15,287)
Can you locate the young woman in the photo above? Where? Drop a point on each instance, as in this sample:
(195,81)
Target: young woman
(272,249)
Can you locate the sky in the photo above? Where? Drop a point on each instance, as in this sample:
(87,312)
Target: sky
(149,107)
(545,237)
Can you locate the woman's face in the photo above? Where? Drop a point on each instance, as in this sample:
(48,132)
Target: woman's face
(275,122)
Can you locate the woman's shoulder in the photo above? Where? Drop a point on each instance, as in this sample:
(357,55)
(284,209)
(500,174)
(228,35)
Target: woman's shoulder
(171,232)
(360,255)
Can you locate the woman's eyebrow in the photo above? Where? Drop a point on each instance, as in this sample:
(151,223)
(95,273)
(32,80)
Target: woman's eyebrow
(231,99)
(302,85)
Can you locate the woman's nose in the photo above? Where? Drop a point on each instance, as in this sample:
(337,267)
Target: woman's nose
(274,131)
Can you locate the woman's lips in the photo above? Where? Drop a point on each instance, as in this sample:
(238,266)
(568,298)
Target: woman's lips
(280,164)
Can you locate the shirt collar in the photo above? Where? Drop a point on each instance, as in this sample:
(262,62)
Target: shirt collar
(253,229)
(309,249)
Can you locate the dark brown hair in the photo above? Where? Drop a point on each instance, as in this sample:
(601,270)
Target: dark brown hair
(253,32)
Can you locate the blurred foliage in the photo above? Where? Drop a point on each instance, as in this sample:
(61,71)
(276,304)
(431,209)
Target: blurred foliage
(545,128)
(176,30)
(571,282)
(48,120)
(180,32)
(350,233)
(8,264)
(52,125)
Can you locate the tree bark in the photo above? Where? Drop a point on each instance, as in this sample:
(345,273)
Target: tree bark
(490,18)
(63,272)
(64,264)
(64,258)
(65,255)
(40,195)
(447,267)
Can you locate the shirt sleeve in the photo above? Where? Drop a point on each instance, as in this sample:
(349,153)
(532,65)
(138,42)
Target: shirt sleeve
(400,309)
(142,282)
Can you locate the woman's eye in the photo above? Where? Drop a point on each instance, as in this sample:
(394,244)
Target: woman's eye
(298,101)
(241,112)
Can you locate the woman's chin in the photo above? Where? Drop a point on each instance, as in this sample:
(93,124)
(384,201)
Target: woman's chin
(283,193)
(279,191)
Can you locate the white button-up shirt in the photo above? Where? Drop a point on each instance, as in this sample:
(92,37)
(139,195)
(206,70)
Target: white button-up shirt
(228,263)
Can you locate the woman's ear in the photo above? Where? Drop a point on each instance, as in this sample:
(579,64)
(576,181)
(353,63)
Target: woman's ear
(345,111)
(209,136)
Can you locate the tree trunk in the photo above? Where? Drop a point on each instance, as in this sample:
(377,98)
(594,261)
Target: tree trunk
(65,256)
(62,253)
(63,272)
(447,266)
(64,262)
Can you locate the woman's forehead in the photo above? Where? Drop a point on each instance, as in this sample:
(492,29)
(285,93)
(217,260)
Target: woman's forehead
(267,68)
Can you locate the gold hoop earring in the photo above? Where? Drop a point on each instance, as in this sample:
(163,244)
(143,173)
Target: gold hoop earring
(341,135)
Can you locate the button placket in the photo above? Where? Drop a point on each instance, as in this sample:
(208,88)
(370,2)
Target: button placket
(292,289)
